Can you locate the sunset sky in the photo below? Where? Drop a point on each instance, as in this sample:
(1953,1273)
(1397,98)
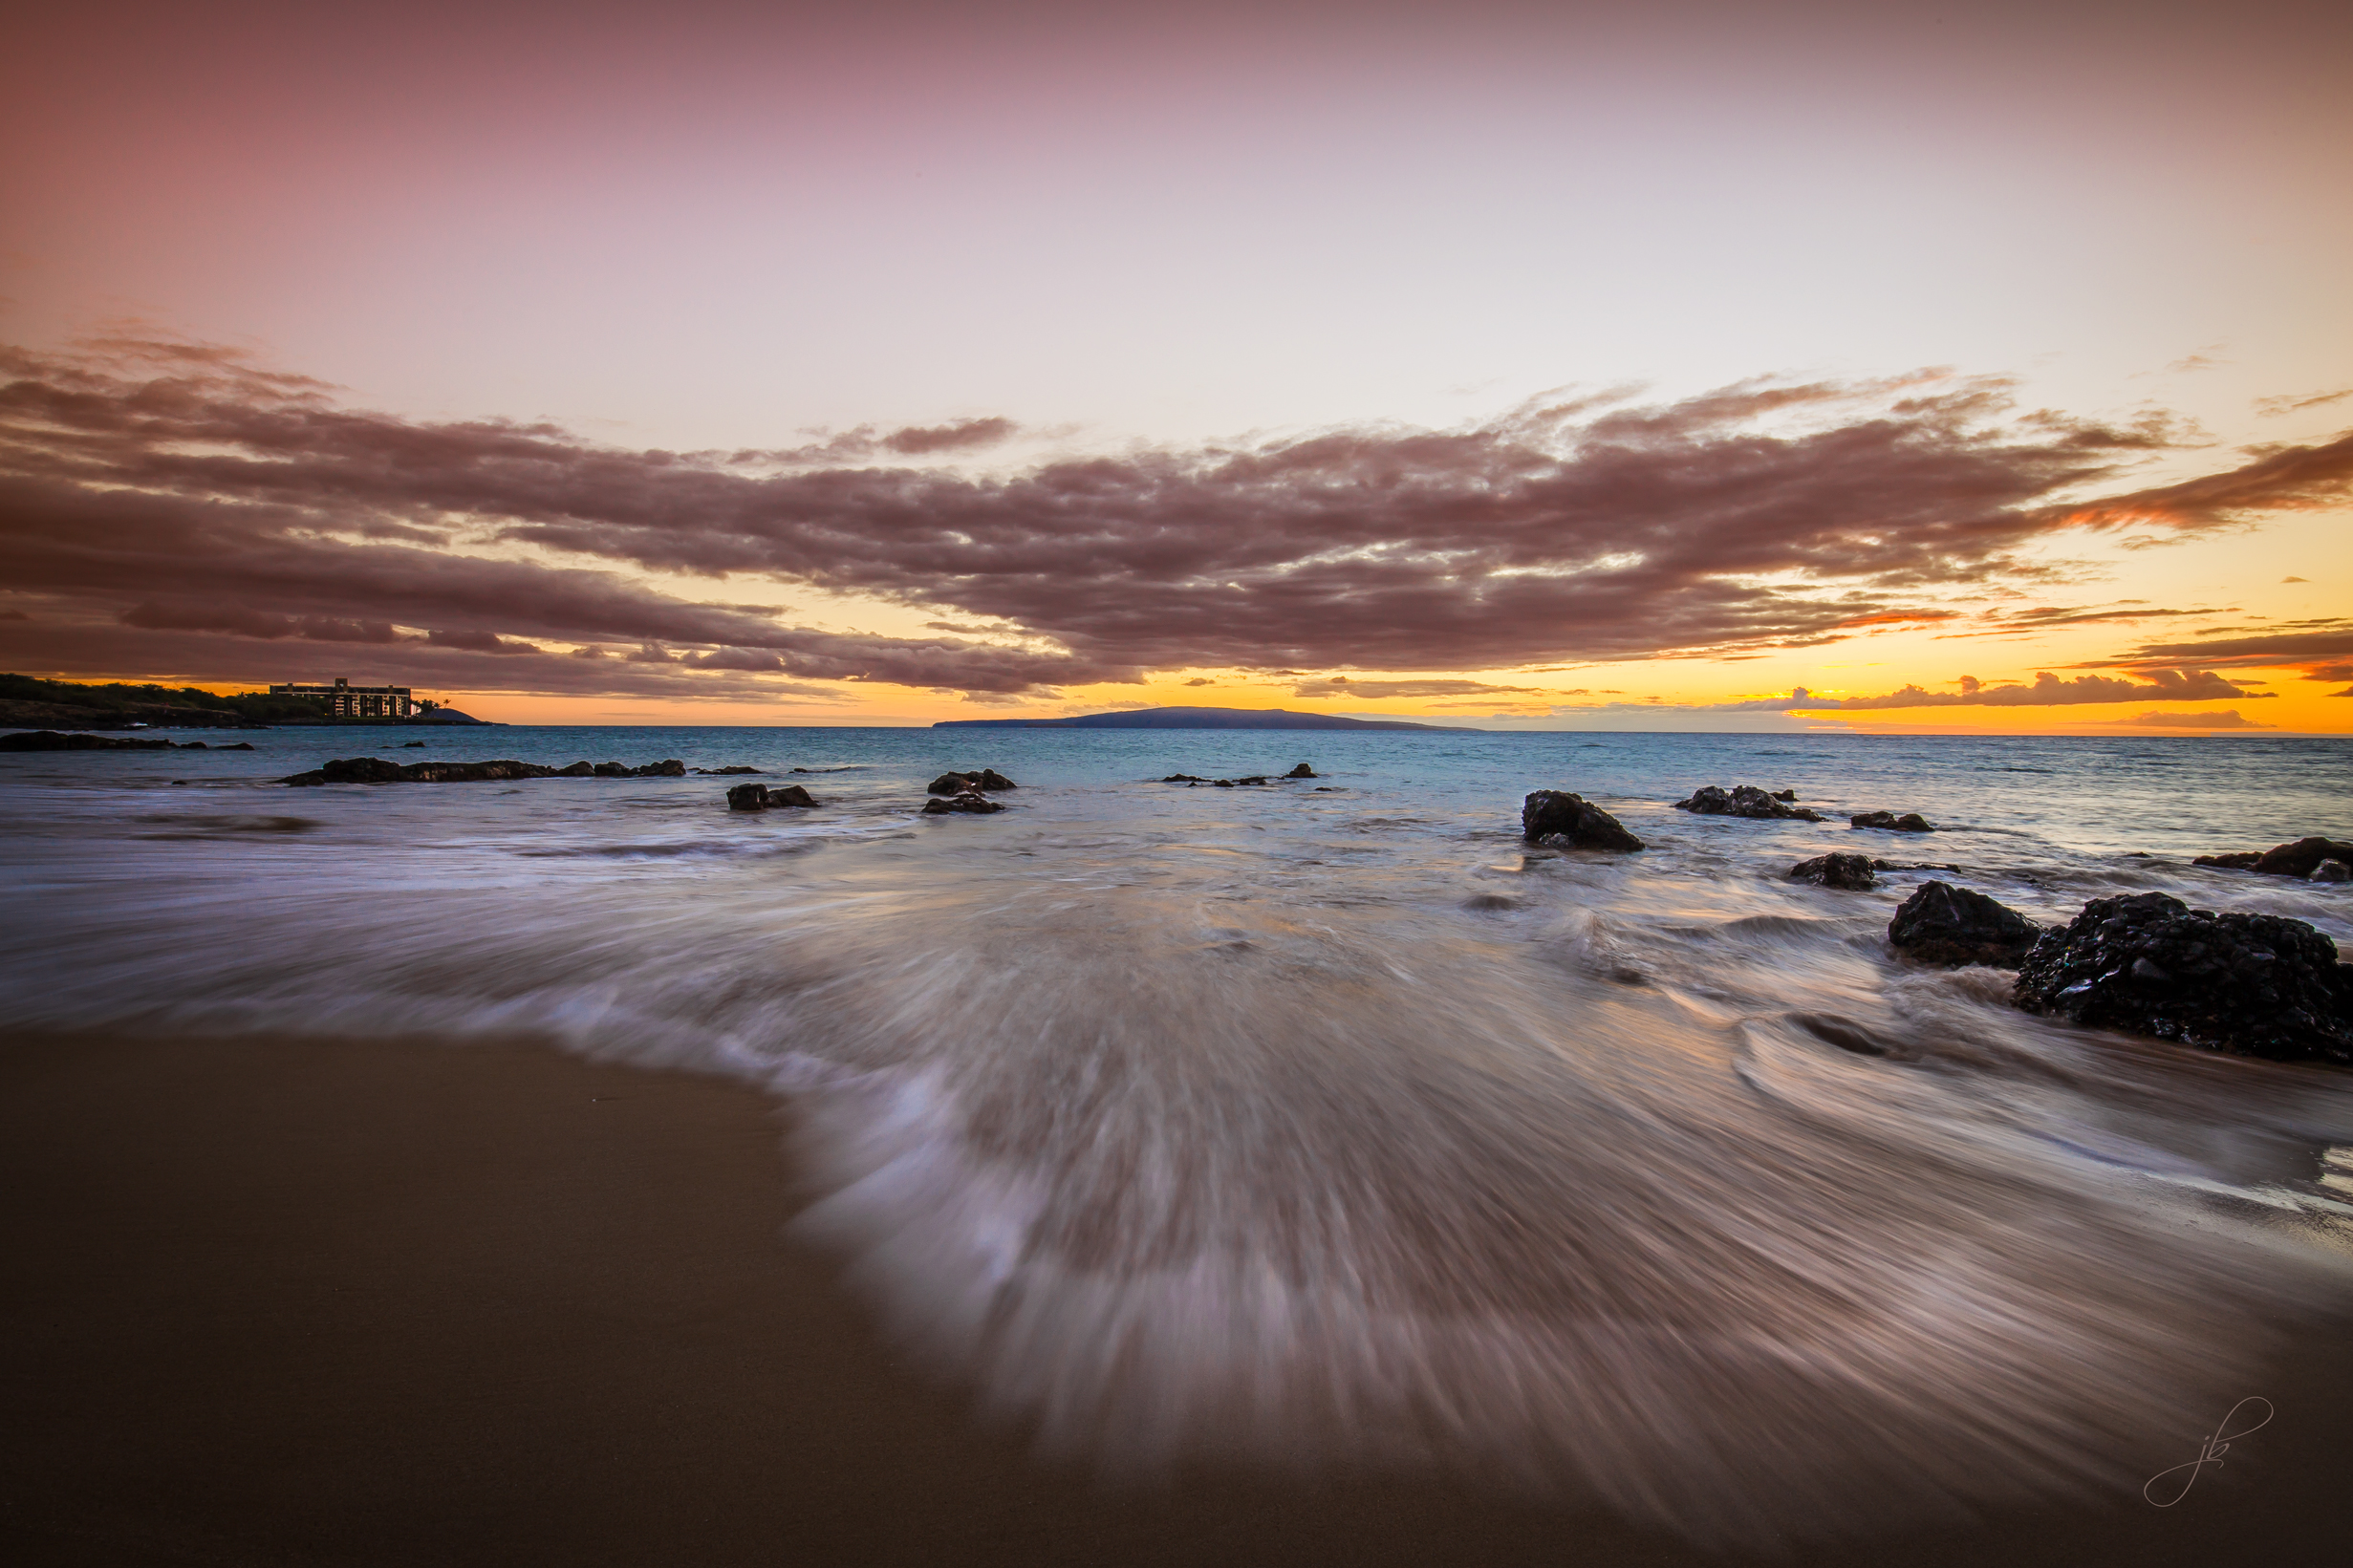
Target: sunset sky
(1683,366)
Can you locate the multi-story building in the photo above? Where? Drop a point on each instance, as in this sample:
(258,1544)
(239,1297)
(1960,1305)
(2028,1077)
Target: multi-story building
(345,700)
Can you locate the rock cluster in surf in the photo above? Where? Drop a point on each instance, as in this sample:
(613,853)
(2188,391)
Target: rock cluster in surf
(1746,800)
(966,793)
(2249,984)
(957,784)
(1251,780)
(1911,822)
(380,770)
(2315,859)
(752,797)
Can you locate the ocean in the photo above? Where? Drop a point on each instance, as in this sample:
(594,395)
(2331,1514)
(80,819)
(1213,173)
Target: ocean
(1325,1125)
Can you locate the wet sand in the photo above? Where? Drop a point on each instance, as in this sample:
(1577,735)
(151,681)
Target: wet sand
(296,1302)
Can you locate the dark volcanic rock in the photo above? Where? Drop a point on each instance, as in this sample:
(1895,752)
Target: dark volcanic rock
(383,770)
(1303,771)
(357,770)
(971,800)
(2249,984)
(1852,872)
(2332,870)
(1743,801)
(2303,857)
(727,772)
(1184,778)
(51,741)
(1785,794)
(465,772)
(1911,822)
(1942,924)
(957,784)
(752,797)
(412,745)
(1555,814)
(2300,858)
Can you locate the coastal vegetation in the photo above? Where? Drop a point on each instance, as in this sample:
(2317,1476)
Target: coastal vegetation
(113,704)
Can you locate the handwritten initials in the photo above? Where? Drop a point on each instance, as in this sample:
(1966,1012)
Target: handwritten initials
(2212,1453)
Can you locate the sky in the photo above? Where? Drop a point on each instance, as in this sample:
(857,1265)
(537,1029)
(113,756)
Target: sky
(1692,365)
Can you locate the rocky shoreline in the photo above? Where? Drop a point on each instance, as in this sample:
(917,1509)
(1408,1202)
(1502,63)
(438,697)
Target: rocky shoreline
(2259,985)
(54,741)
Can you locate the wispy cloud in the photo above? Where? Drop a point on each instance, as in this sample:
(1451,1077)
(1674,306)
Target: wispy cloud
(2274,407)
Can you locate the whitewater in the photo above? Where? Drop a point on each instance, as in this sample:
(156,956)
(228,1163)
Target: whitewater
(1327,1124)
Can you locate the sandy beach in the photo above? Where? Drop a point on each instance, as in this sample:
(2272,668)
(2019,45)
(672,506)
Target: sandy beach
(298,1301)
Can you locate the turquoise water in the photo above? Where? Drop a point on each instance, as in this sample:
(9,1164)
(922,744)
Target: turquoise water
(1327,1123)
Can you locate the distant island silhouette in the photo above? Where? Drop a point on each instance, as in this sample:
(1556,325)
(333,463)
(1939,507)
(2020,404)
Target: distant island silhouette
(1192,719)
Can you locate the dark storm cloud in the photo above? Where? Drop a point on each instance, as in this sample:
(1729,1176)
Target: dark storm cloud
(1764,515)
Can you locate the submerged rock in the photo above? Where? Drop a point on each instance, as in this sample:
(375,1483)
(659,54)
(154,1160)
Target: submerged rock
(1942,924)
(726,772)
(971,800)
(1911,822)
(1746,801)
(1184,779)
(2249,984)
(752,797)
(2235,862)
(1551,814)
(2332,870)
(53,741)
(1852,872)
(1303,771)
(957,784)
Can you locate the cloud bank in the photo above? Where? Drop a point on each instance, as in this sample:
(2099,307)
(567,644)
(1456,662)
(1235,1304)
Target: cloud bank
(2046,691)
(172,506)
